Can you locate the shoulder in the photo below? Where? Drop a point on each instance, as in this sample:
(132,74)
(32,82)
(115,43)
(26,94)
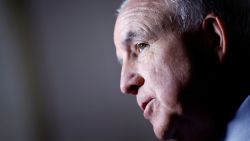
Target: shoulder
(239,127)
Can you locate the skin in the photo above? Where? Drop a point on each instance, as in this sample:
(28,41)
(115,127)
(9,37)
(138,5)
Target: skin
(172,88)
(161,69)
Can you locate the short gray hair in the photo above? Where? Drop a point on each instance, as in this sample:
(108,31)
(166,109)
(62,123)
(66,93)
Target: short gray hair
(189,14)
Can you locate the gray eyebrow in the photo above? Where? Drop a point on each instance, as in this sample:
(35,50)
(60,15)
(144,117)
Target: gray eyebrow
(126,41)
(129,37)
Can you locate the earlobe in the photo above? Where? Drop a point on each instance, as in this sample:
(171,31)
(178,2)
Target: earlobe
(216,30)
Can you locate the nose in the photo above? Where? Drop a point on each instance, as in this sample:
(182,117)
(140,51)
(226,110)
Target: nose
(130,82)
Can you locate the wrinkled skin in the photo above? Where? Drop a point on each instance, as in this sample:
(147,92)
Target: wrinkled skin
(158,70)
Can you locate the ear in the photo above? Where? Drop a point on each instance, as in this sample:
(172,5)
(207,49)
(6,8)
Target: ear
(216,31)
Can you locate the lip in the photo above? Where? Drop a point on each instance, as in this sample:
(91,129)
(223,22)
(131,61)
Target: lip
(145,103)
(148,109)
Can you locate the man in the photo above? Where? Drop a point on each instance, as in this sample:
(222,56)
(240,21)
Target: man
(186,61)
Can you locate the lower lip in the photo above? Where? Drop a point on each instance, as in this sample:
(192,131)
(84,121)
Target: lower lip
(148,110)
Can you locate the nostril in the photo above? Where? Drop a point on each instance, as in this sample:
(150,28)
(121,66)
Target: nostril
(133,89)
(130,83)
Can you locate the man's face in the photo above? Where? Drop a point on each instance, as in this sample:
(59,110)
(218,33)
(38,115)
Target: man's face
(155,65)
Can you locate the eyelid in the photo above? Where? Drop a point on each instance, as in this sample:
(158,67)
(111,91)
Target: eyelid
(140,46)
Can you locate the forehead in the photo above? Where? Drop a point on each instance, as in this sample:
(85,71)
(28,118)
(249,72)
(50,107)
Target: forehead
(142,8)
(141,17)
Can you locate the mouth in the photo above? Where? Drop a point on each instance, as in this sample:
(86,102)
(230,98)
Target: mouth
(147,108)
(145,103)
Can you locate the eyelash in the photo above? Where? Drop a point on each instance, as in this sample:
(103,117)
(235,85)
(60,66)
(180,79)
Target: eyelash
(141,46)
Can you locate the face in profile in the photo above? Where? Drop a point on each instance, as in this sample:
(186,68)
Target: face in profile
(156,68)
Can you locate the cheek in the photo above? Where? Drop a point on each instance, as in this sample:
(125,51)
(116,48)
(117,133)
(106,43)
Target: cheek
(163,75)
(146,57)
(167,87)
(160,78)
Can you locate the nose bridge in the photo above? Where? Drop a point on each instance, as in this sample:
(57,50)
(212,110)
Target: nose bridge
(130,81)
(126,74)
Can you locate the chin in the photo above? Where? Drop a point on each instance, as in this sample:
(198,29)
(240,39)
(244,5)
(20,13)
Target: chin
(163,131)
(160,135)
(165,125)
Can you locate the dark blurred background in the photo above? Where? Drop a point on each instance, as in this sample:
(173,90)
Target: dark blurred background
(59,78)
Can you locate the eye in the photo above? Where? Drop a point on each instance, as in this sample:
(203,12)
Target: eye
(141,46)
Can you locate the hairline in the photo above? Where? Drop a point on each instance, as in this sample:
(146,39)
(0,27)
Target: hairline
(171,21)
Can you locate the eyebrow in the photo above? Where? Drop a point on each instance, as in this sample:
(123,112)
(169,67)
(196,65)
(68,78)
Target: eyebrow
(132,35)
(126,41)
(129,37)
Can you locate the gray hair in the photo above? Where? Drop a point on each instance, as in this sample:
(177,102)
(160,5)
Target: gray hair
(189,14)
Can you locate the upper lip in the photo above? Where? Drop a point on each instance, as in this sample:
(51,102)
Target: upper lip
(144,103)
